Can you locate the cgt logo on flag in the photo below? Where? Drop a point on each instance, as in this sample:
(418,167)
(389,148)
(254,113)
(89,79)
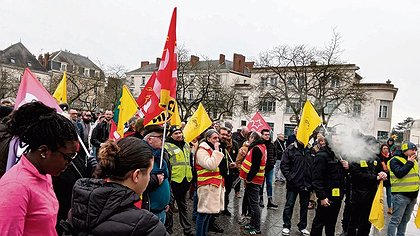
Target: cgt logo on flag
(257,123)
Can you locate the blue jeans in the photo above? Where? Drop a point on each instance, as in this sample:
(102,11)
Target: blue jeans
(269,181)
(402,209)
(202,224)
(288,208)
(161,215)
(388,196)
(277,173)
(195,203)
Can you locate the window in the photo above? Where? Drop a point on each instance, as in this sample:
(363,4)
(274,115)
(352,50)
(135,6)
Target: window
(86,73)
(63,67)
(143,80)
(271,124)
(264,82)
(335,83)
(330,106)
(268,105)
(289,129)
(245,103)
(290,106)
(96,74)
(383,135)
(357,108)
(12,60)
(291,81)
(218,80)
(243,122)
(273,81)
(190,94)
(29,63)
(383,109)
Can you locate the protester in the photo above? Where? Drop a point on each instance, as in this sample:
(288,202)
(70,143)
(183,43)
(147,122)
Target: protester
(280,145)
(242,136)
(252,171)
(365,177)
(28,205)
(269,170)
(100,133)
(84,128)
(180,160)
(245,211)
(391,146)
(405,180)
(157,196)
(385,157)
(210,186)
(296,165)
(328,183)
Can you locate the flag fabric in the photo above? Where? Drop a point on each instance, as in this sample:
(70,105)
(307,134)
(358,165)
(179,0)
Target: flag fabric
(60,93)
(148,102)
(257,123)
(198,123)
(175,118)
(417,219)
(309,121)
(126,108)
(376,216)
(113,133)
(165,86)
(30,89)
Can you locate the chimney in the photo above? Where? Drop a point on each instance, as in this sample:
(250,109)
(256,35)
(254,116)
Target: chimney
(46,59)
(221,59)
(41,59)
(157,62)
(249,65)
(313,63)
(238,63)
(144,63)
(194,60)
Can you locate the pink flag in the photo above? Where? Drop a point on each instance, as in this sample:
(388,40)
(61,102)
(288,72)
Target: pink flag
(257,123)
(30,89)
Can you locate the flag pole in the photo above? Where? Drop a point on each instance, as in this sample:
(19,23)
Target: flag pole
(328,133)
(163,138)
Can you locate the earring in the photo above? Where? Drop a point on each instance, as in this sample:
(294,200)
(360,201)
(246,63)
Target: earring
(43,156)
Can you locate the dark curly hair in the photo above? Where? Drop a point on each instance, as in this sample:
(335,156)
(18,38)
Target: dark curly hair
(36,124)
(117,159)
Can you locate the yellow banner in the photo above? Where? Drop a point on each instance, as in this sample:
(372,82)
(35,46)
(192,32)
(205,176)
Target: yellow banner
(308,123)
(376,216)
(197,124)
(60,93)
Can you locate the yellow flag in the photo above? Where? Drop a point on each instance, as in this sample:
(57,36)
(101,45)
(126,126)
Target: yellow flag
(175,118)
(308,123)
(376,216)
(199,122)
(417,219)
(126,109)
(60,93)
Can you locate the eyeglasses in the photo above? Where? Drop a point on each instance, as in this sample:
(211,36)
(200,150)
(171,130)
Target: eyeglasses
(68,156)
(157,136)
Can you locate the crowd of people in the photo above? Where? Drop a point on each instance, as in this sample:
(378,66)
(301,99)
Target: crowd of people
(65,185)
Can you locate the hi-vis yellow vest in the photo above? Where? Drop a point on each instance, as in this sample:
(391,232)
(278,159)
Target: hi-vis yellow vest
(408,183)
(180,161)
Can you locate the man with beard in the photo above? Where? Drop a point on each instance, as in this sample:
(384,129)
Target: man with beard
(230,150)
(269,170)
(84,127)
(180,160)
(101,132)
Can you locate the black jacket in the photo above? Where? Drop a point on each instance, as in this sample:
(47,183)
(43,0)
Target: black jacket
(328,174)
(296,166)
(271,156)
(100,208)
(280,148)
(364,181)
(100,134)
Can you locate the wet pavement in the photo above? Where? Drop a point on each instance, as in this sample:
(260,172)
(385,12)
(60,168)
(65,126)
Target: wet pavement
(271,220)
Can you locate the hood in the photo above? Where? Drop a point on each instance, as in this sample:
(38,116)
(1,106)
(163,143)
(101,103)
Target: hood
(94,201)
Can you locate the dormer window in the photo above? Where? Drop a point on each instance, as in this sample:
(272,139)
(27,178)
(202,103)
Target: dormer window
(86,72)
(29,63)
(63,67)
(12,60)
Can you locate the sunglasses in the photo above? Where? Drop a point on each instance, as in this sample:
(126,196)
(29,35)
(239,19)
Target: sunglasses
(68,156)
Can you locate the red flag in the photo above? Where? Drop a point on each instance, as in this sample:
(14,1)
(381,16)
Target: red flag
(113,134)
(148,101)
(30,89)
(257,123)
(165,86)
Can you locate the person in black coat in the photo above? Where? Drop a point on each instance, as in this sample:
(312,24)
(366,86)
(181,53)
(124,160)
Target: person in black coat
(280,145)
(296,165)
(269,170)
(365,177)
(109,207)
(329,185)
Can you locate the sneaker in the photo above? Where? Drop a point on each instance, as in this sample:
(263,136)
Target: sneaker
(271,205)
(285,232)
(304,232)
(244,221)
(238,195)
(251,231)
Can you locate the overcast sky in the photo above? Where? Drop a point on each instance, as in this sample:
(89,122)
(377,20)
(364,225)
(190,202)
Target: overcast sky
(382,37)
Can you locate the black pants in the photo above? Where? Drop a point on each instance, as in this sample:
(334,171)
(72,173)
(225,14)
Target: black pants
(290,204)
(325,217)
(253,193)
(228,188)
(359,223)
(179,191)
(245,203)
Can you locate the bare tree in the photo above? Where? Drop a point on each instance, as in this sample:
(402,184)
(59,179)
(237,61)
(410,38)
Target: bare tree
(9,82)
(291,75)
(115,79)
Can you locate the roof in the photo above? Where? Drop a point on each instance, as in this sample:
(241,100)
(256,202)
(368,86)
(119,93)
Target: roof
(22,58)
(201,65)
(73,59)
